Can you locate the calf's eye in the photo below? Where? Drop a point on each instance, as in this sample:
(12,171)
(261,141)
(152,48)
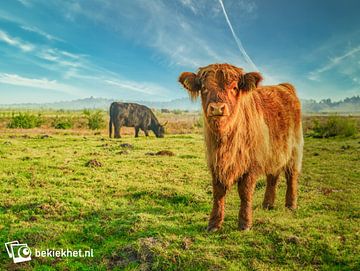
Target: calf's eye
(234,90)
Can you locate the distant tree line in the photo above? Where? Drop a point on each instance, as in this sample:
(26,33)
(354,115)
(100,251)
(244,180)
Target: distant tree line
(351,104)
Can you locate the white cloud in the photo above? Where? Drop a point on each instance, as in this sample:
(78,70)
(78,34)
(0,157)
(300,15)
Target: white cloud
(335,62)
(24,46)
(71,55)
(71,66)
(60,57)
(188,46)
(9,17)
(24,25)
(40,32)
(177,39)
(26,3)
(191,5)
(79,66)
(247,6)
(211,7)
(42,83)
(144,87)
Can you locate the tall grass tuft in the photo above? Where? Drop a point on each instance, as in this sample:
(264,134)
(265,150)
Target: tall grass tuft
(95,119)
(334,126)
(200,121)
(25,120)
(62,123)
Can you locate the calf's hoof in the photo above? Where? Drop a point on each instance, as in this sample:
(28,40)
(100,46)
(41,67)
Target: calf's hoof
(245,223)
(212,228)
(268,206)
(291,206)
(244,228)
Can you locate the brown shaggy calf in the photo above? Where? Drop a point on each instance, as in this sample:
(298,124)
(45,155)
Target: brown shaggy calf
(250,130)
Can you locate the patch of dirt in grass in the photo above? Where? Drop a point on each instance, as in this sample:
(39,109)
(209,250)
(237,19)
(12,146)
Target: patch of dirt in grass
(161,153)
(93,163)
(327,191)
(105,145)
(146,249)
(293,240)
(126,145)
(32,218)
(25,136)
(186,243)
(345,147)
(124,258)
(142,253)
(51,209)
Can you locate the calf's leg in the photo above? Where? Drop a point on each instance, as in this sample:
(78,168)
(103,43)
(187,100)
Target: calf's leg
(246,187)
(218,210)
(291,175)
(270,193)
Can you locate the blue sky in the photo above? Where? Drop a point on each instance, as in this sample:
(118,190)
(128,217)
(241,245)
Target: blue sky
(135,50)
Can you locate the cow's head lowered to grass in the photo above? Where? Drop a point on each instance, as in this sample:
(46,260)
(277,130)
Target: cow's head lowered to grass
(221,86)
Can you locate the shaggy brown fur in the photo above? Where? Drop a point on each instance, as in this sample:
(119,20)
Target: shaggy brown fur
(249,131)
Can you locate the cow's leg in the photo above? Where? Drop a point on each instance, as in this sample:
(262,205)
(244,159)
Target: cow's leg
(137,131)
(110,127)
(117,129)
(291,175)
(270,193)
(218,210)
(246,187)
(146,132)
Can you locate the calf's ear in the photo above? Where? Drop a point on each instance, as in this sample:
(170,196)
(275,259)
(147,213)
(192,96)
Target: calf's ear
(250,81)
(192,83)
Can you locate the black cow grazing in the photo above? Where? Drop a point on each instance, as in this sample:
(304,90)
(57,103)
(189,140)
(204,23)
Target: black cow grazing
(134,115)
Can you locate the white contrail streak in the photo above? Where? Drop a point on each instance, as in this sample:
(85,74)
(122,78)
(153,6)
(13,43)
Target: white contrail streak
(237,40)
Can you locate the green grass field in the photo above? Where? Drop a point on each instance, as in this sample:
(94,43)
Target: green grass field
(146,212)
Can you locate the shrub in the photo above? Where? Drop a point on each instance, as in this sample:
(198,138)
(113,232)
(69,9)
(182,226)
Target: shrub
(95,119)
(25,120)
(177,111)
(334,126)
(62,123)
(200,122)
